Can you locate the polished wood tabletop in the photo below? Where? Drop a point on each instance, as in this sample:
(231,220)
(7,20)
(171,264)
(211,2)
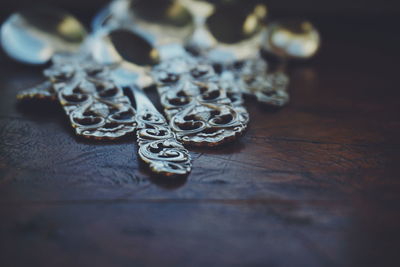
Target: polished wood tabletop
(316,183)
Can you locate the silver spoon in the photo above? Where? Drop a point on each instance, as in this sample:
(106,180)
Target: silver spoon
(158,144)
(292,39)
(96,106)
(237,51)
(199,110)
(34,36)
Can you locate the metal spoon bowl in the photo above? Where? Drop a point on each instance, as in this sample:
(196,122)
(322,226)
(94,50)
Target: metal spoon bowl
(226,33)
(159,22)
(292,39)
(198,109)
(130,66)
(34,36)
(96,104)
(157,143)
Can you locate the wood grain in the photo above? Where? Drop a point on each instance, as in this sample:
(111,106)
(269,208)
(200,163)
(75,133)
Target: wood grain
(314,184)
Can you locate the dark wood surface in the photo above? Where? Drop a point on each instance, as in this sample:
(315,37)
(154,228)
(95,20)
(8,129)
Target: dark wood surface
(313,184)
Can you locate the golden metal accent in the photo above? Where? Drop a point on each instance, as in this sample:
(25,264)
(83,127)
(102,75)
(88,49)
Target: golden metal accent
(44,90)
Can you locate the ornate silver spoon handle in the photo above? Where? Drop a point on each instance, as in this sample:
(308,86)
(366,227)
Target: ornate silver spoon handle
(158,146)
(96,107)
(253,77)
(242,69)
(197,106)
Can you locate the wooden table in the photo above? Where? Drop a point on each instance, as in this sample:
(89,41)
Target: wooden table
(313,184)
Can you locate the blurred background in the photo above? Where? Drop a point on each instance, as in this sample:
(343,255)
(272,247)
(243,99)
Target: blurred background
(309,7)
(335,19)
(354,8)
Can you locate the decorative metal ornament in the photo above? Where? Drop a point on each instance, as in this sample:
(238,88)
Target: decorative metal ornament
(198,108)
(242,69)
(96,107)
(292,39)
(201,91)
(196,104)
(158,146)
(252,77)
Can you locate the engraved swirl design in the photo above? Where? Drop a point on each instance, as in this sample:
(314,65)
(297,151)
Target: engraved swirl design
(198,108)
(96,107)
(158,146)
(253,77)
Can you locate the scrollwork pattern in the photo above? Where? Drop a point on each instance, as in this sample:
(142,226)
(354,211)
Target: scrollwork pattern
(96,107)
(253,77)
(158,146)
(197,106)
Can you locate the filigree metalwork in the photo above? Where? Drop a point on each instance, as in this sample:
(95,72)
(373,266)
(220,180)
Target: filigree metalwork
(158,146)
(270,88)
(233,87)
(242,69)
(197,106)
(96,107)
(251,76)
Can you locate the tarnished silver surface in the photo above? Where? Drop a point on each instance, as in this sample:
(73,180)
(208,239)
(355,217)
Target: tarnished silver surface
(34,35)
(96,107)
(158,146)
(197,105)
(252,77)
(94,102)
(242,69)
(199,110)
(292,39)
